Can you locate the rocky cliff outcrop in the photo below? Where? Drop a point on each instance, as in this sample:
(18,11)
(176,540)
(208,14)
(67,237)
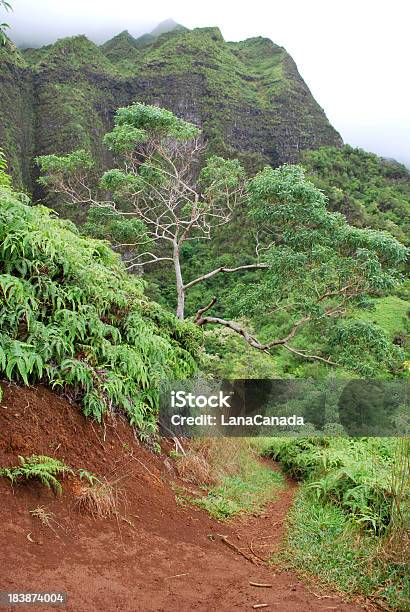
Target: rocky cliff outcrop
(248,97)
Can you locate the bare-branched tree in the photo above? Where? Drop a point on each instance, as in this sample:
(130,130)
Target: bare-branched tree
(160,183)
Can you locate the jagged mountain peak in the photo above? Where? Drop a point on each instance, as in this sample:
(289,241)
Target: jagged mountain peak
(124,43)
(168,25)
(73,52)
(120,45)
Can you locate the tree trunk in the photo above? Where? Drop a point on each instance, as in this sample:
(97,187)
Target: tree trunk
(179,284)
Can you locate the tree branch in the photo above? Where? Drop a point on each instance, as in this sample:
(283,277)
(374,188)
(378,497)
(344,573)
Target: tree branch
(308,356)
(201,311)
(153,259)
(223,269)
(252,341)
(234,326)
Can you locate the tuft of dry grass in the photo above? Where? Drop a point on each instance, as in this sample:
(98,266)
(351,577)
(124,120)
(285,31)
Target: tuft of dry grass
(101,499)
(194,467)
(396,546)
(208,460)
(43,515)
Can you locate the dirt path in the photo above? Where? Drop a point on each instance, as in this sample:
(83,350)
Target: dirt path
(171,559)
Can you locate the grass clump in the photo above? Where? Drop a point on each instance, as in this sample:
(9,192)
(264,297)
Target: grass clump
(323,541)
(38,467)
(352,474)
(234,479)
(351,522)
(98,498)
(249,491)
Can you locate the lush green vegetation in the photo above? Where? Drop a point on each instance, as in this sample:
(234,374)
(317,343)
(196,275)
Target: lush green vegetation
(322,542)
(73,318)
(370,191)
(351,180)
(351,521)
(339,471)
(314,270)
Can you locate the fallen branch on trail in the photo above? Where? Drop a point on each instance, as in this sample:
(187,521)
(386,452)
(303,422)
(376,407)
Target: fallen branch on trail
(225,540)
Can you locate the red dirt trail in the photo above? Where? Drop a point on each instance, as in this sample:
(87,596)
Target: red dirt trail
(159,556)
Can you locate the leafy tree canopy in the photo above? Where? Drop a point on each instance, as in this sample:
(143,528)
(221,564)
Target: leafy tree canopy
(159,192)
(319,269)
(140,123)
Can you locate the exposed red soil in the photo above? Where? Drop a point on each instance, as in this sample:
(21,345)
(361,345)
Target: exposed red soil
(159,556)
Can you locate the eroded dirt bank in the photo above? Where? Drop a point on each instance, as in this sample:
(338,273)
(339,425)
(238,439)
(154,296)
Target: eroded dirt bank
(157,556)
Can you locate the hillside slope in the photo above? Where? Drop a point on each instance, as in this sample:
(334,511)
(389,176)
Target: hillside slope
(248,97)
(369,190)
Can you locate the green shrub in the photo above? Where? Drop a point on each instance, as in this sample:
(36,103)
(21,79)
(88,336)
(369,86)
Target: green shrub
(38,467)
(71,317)
(349,524)
(352,474)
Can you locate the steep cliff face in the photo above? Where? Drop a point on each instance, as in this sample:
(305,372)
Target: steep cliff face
(75,95)
(16,113)
(248,97)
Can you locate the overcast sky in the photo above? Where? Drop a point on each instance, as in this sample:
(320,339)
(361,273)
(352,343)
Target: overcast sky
(353,54)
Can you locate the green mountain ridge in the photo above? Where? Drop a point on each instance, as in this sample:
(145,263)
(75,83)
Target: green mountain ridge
(123,44)
(248,96)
